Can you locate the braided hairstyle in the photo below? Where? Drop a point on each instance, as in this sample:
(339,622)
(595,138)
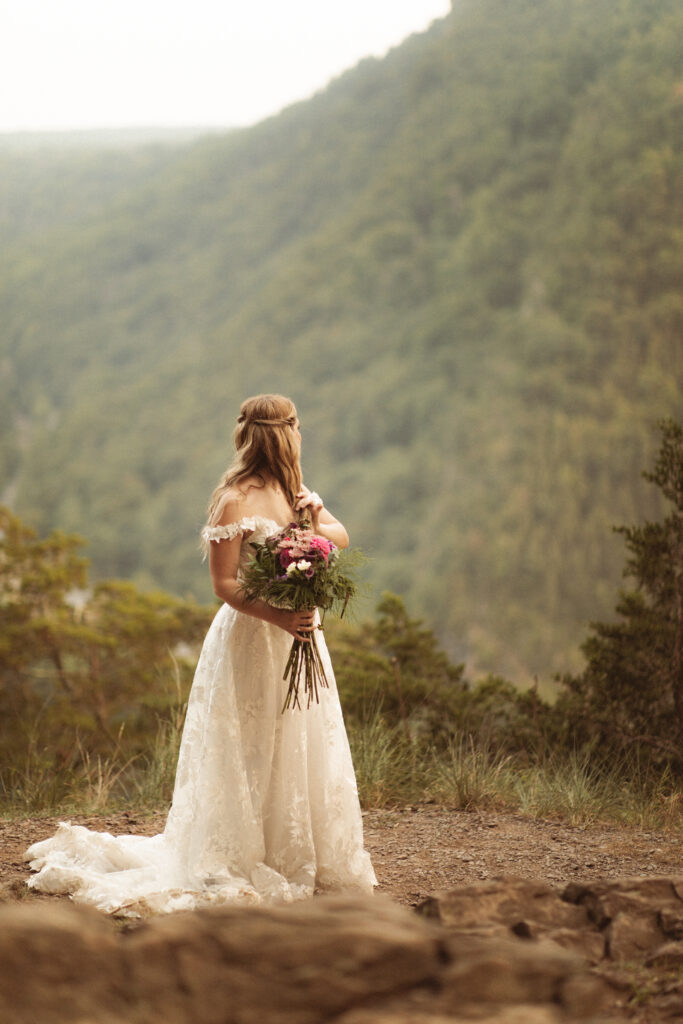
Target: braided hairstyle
(265,445)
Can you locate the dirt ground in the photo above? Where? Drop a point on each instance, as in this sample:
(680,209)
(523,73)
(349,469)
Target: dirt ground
(418,851)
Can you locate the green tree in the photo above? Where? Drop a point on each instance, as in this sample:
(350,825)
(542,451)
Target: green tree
(38,629)
(84,669)
(631,691)
(395,664)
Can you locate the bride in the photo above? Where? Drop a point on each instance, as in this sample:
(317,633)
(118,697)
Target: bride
(265,806)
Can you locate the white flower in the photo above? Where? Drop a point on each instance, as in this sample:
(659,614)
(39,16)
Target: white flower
(290,568)
(303,565)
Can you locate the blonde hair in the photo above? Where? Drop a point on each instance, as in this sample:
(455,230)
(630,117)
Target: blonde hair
(265,443)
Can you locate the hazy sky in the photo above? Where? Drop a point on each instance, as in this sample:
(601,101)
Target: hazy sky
(99,63)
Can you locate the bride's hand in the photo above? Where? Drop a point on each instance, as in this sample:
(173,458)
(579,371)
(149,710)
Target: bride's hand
(299,624)
(312,501)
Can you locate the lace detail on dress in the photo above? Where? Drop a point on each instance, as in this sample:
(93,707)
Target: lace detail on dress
(248,524)
(265,807)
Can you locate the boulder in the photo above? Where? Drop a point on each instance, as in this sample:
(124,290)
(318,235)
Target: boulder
(636,915)
(620,920)
(627,928)
(351,960)
(514,906)
(669,954)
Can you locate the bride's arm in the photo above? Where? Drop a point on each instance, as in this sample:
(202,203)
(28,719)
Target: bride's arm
(224,559)
(324,522)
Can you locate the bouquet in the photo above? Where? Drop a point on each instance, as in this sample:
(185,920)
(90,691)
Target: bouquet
(297,569)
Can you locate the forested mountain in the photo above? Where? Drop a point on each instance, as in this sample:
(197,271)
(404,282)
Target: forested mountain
(462,261)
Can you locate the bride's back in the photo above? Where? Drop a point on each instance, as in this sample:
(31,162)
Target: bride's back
(256,496)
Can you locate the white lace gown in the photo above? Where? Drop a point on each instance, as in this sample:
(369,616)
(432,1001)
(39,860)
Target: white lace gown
(265,806)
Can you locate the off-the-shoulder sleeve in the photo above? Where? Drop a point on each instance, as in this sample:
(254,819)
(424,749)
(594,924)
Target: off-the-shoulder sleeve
(229,531)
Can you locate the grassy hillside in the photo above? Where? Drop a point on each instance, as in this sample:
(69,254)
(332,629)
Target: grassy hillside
(462,261)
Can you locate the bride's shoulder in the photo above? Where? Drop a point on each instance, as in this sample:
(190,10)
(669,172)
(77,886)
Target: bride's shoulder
(230,521)
(232,508)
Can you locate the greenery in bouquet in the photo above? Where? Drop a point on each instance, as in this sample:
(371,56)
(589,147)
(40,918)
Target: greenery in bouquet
(298,569)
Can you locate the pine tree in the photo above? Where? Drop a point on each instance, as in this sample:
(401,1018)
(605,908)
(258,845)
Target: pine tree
(631,691)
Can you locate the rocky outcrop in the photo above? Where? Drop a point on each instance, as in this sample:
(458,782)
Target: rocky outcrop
(636,916)
(507,951)
(510,907)
(627,919)
(617,926)
(349,961)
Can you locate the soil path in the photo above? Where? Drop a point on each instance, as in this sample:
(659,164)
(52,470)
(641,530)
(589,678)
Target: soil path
(420,850)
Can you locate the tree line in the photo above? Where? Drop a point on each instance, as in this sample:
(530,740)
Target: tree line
(93,670)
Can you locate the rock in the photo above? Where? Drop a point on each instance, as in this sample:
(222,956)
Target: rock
(305,962)
(623,927)
(588,942)
(502,1015)
(670,954)
(622,920)
(671,921)
(529,910)
(631,936)
(57,962)
(504,951)
(605,899)
(485,971)
(632,912)
(355,961)
(671,1006)
(505,901)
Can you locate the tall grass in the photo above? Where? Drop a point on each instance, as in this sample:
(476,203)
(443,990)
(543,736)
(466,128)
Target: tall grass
(152,784)
(87,784)
(91,784)
(31,787)
(471,774)
(388,768)
(392,769)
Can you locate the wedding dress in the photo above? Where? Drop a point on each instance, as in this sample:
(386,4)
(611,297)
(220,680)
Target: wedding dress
(265,806)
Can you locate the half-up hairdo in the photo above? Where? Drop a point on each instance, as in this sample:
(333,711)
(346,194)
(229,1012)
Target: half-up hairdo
(265,445)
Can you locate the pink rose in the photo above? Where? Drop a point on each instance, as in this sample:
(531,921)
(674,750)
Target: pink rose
(323,546)
(285,558)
